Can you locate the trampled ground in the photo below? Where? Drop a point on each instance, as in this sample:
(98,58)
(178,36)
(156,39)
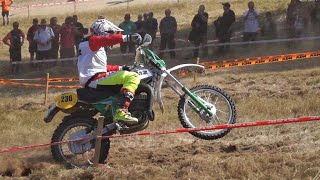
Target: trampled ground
(274,91)
(273,152)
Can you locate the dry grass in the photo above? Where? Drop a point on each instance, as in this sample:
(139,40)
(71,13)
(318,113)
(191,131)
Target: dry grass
(274,152)
(261,92)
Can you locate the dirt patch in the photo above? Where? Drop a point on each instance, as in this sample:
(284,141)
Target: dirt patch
(276,152)
(31,106)
(17,168)
(11,166)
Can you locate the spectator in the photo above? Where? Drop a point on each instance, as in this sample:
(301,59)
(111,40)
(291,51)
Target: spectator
(79,34)
(43,36)
(315,17)
(198,34)
(14,39)
(151,27)
(67,41)
(128,27)
(145,17)
(30,37)
(299,26)
(55,41)
(101,17)
(5,10)
(168,28)
(223,26)
(292,13)
(139,24)
(251,24)
(269,27)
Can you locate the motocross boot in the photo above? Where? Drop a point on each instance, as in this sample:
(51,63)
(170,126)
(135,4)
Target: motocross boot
(122,114)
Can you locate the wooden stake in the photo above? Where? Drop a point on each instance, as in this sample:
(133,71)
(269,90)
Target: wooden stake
(98,141)
(198,60)
(75,6)
(47,89)
(28,11)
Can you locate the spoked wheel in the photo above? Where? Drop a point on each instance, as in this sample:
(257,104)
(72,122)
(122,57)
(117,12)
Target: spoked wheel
(221,106)
(79,153)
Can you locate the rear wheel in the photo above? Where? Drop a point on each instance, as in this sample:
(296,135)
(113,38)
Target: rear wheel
(223,108)
(80,153)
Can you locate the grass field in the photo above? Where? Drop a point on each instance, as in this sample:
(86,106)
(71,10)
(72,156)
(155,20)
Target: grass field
(274,152)
(262,92)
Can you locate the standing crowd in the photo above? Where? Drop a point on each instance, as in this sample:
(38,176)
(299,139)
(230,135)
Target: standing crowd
(46,41)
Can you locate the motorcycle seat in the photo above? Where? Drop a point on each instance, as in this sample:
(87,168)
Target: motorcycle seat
(91,95)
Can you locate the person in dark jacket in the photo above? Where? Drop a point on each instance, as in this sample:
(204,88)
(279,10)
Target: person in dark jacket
(14,39)
(223,26)
(30,36)
(168,28)
(151,27)
(140,24)
(269,27)
(292,12)
(55,41)
(80,29)
(198,34)
(315,17)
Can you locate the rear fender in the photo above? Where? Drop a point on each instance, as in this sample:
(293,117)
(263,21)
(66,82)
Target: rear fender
(64,102)
(52,111)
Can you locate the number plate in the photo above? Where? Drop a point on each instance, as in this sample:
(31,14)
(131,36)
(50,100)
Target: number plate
(144,73)
(67,100)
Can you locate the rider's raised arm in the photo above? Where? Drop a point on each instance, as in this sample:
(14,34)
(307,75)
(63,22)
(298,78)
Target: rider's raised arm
(96,42)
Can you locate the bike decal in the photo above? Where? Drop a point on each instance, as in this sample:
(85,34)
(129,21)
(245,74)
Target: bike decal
(144,73)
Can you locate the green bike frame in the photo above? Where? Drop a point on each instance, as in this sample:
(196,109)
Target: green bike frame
(106,106)
(161,64)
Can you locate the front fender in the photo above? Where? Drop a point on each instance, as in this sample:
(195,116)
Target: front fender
(164,75)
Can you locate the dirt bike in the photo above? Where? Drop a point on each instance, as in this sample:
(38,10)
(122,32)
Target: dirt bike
(202,105)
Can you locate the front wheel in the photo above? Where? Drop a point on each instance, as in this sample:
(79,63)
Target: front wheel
(223,108)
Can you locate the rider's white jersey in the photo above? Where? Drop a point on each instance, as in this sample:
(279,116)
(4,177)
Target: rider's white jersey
(90,62)
(92,57)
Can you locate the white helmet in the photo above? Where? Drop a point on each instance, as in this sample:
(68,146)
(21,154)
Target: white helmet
(103,27)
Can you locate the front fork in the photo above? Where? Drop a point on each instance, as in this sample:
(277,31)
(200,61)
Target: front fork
(195,98)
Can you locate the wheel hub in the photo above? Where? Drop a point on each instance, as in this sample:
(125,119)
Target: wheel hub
(80,147)
(205,116)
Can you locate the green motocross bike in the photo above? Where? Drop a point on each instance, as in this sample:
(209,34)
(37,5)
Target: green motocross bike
(200,106)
